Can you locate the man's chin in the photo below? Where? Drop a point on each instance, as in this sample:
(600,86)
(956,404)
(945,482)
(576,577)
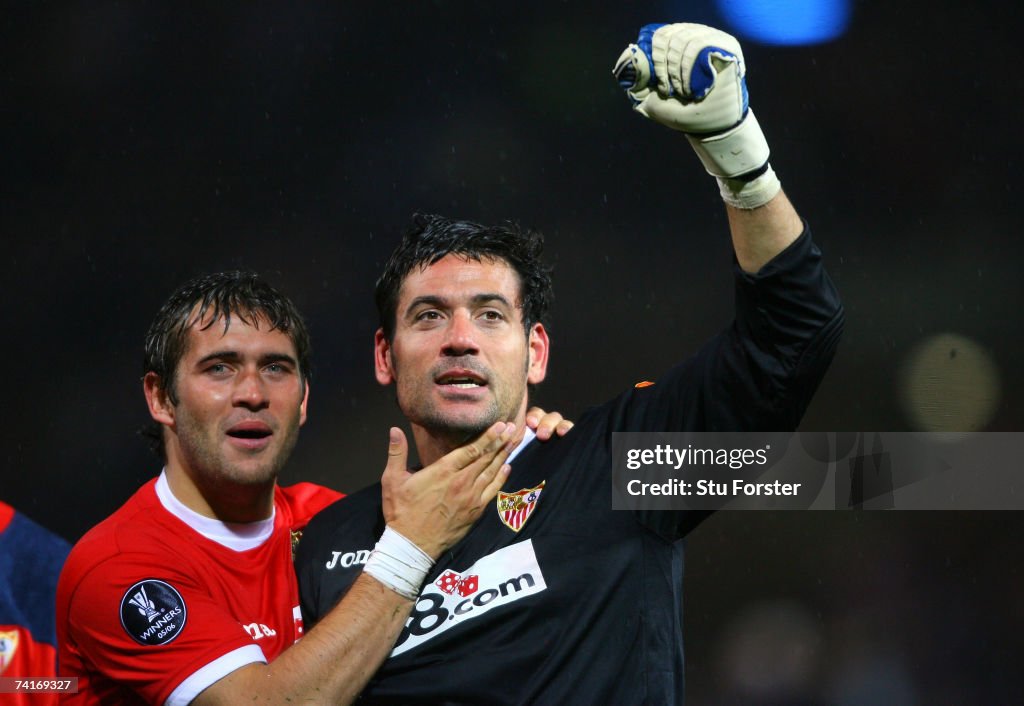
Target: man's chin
(247,467)
(253,470)
(459,429)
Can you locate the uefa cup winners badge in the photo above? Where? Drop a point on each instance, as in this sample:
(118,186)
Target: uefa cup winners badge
(145,606)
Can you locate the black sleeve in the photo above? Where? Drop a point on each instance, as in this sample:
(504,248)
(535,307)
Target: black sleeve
(759,374)
(309,584)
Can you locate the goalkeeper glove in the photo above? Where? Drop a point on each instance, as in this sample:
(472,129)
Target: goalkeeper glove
(691,78)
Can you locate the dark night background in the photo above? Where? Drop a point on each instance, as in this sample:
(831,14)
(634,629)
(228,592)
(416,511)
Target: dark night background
(144,143)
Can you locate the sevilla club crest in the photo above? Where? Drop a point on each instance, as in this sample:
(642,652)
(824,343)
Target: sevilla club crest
(515,509)
(8,646)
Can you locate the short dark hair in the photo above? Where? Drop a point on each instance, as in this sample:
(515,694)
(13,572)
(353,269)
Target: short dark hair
(430,238)
(219,297)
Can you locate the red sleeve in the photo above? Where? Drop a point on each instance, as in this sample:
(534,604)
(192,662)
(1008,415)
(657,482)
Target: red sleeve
(6,513)
(306,500)
(147,624)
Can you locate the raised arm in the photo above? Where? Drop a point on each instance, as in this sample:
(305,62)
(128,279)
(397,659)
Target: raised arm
(691,78)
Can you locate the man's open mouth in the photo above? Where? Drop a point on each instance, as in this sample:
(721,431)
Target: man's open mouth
(461,379)
(250,430)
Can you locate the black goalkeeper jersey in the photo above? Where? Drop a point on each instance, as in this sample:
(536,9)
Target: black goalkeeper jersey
(553,597)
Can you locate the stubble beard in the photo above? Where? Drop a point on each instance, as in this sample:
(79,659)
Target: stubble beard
(418,406)
(453,428)
(202,450)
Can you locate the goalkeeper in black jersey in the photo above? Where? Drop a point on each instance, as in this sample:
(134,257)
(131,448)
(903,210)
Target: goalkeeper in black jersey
(553,597)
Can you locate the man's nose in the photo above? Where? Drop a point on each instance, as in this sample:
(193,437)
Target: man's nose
(461,336)
(250,390)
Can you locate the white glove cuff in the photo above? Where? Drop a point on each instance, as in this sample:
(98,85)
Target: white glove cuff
(750,194)
(740,150)
(398,564)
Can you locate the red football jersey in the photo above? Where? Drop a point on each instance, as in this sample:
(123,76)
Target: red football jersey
(31,558)
(158,602)
(22,656)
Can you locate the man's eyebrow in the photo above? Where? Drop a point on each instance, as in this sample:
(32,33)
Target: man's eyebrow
(441,302)
(279,358)
(232,356)
(226,354)
(488,298)
(428,299)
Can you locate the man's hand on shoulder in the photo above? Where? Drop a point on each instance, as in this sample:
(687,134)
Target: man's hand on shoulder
(547,424)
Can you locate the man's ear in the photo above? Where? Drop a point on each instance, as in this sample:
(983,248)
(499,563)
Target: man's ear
(304,403)
(382,366)
(161,409)
(539,347)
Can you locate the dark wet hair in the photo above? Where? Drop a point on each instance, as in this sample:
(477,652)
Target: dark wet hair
(217,297)
(429,238)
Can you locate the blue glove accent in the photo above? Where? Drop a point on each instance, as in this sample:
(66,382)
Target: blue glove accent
(702,77)
(626,76)
(643,41)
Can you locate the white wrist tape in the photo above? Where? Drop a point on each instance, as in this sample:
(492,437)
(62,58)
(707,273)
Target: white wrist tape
(741,150)
(398,564)
(750,194)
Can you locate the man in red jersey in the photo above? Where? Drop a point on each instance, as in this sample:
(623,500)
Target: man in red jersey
(30,560)
(187,593)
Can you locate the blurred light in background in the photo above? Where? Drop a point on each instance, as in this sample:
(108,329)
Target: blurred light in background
(870,679)
(786,22)
(770,652)
(949,383)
